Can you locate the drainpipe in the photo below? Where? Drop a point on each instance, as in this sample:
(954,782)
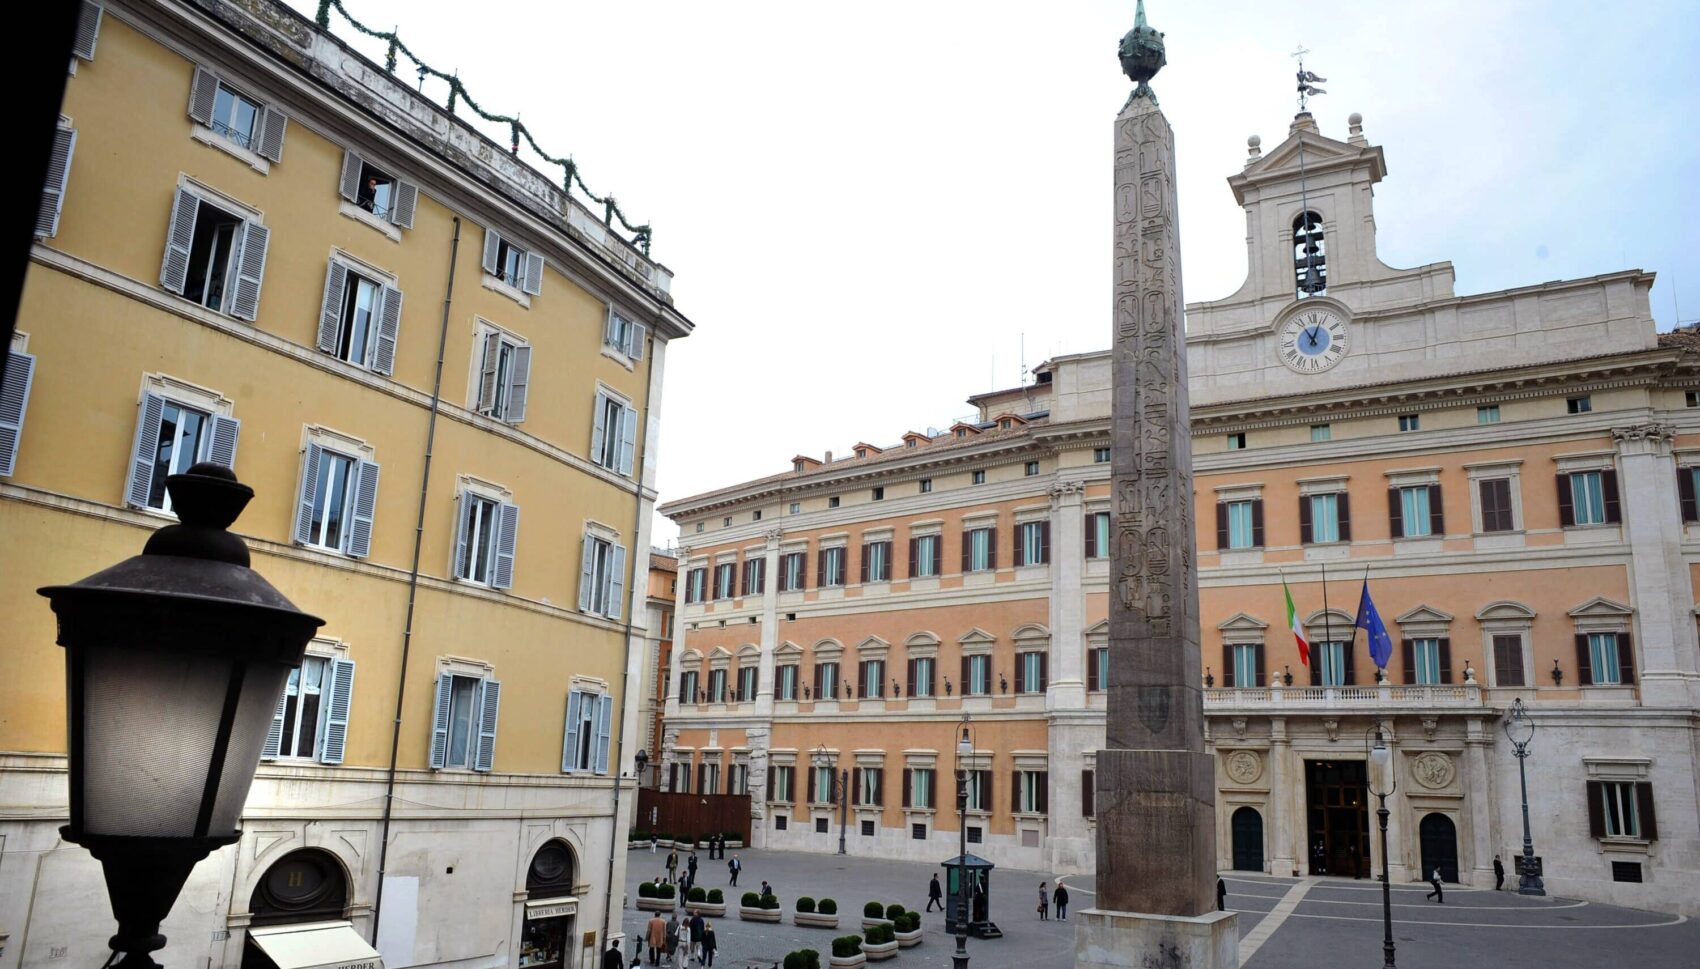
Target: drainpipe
(413,584)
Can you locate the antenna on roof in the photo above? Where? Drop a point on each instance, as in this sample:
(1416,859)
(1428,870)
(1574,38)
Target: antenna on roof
(1023,358)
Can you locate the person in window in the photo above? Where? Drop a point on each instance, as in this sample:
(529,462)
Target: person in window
(369,194)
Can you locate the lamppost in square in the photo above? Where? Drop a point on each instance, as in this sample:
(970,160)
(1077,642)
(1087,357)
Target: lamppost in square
(1520,730)
(1379,758)
(964,751)
(838,789)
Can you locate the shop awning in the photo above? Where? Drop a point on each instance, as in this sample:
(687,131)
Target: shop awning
(316,945)
(549,908)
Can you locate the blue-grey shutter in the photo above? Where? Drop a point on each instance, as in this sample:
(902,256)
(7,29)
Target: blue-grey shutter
(569,747)
(616,582)
(489,703)
(365,508)
(389,327)
(14,400)
(274,733)
(604,731)
(507,536)
(179,236)
(58,173)
(639,333)
(341,683)
(598,428)
(609,330)
(309,493)
(330,311)
(404,199)
(349,184)
(203,94)
(492,250)
(221,442)
(250,270)
(440,721)
(587,576)
(462,516)
(628,439)
(488,371)
(531,279)
(88,30)
(145,450)
(519,384)
(272,125)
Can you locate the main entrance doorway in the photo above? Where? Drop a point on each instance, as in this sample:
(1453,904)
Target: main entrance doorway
(1248,839)
(1439,839)
(1337,809)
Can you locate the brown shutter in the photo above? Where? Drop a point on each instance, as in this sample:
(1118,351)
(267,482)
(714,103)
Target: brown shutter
(910,677)
(1092,684)
(1304,520)
(865,547)
(1596,809)
(1020,552)
(1613,502)
(843,565)
(1257,523)
(1044,792)
(1092,528)
(702,777)
(1625,659)
(1584,666)
(1445,650)
(1044,543)
(1315,665)
(967,545)
(1408,652)
(791,791)
(1685,495)
(802,570)
(906,794)
(856,786)
(992,548)
(1566,502)
(1395,521)
(1351,677)
(962,684)
(913,542)
(1044,672)
(1015,792)
(1088,794)
(1020,674)
(879,787)
(1221,525)
(1257,651)
(821,569)
(1344,503)
(1644,808)
(1227,665)
(1436,511)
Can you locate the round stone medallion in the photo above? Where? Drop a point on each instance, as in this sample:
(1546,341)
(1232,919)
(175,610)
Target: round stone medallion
(1433,770)
(1244,766)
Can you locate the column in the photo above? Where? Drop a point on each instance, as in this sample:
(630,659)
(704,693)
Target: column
(1279,824)
(1478,801)
(769,623)
(1068,602)
(1663,590)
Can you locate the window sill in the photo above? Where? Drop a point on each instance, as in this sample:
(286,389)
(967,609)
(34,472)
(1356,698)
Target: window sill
(1639,846)
(618,357)
(1601,534)
(496,285)
(358,214)
(1328,551)
(213,139)
(1230,557)
(1494,540)
(984,577)
(1029,816)
(1418,545)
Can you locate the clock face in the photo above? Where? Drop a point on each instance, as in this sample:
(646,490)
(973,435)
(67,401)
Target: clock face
(1312,341)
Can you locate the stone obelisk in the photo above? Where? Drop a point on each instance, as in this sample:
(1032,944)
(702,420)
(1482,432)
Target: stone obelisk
(1156,786)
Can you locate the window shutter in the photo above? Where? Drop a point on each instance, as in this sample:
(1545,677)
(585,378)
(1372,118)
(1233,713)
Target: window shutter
(250,270)
(1613,502)
(1408,652)
(1625,659)
(931,673)
(1093,684)
(14,400)
(1044,543)
(309,492)
(962,684)
(330,311)
(1304,520)
(532,279)
(221,441)
(143,453)
(1015,792)
(1644,811)
(1044,792)
(1044,672)
(519,384)
(992,548)
(507,536)
(488,370)
(1344,504)
(1257,654)
(389,328)
(1596,809)
(604,731)
(967,550)
(1351,676)
(203,93)
(463,515)
(58,173)
(1395,520)
(179,236)
(824,579)
(404,200)
(492,251)
(640,335)
(616,582)
(348,186)
(569,747)
(273,122)
(599,428)
(489,703)
(856,786)
(88,30)
(907,789)
(1221,525)
(1228,665)
(274,734)
(1315,664)
(879,787)
(365,508)
(1088,793)
(336,711)
(1584,663)
(864,562)
(1444,648)
(1021,672)
(909,678)
(915,545)
(1685,495)
(1257,524)
(1436,511)
(1566,502)
(440,721)
(628,439)
(1092,536)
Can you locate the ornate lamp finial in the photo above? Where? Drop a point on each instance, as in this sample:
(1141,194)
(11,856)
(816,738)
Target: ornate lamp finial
(1141,53)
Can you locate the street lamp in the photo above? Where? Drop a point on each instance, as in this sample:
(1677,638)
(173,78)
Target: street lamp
(1519,729)
(838,789)
(640,761)
(175,660)
(1379,756)
(964,750)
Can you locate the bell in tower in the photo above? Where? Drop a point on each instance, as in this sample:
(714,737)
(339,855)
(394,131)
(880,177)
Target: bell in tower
(1310,258)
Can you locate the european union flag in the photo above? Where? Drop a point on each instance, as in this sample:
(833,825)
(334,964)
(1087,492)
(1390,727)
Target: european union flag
(1380,645)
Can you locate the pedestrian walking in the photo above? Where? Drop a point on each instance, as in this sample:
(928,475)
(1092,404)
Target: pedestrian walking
(709,944)
(672,938)
(1060,897)
(682,956)
(733,867)
(1498,873)
(720,842)
(935,894)
(1221,895)
(691,864)
(656,936)
(612,958)
(1044,904)
(1438,895)
(697,930)
(653,841)
(672,864)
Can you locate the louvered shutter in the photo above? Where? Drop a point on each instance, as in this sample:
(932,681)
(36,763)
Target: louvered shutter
(1305,531)
(1644,811)
(179,237)
(1228,665)
(598,428)
(250,270)
(1092,536)
(1395,515)
(203,94)
(1686,499)
(1566,502)
(488,370)
(309,493)
(365,509)
(616,582)
(145,451)
(58,173)
(1044,672)
(702,777)
(272,125)
(1044,791)
(330,310)
(1015,792)
(489,706)
(349,184)
(587,577)
(1584,662)
(856,786)
(967,551)
(992,549)
(519,384)
(879,786)
(274,734)
(604,731)
(1088,792)
(639,336)
(1436,512)
(1315,665)
(1343,502)
(1257,654)
(221,440)
(864,565)
(963,683)
(1408,653)
(389,328)
(1444,649)
(492,251)
(14,401)
(1021,672)
(1596,809)
(507,536)
(569,748)
(1093,683)
(404,200)
(908,788)
(440,721)
(532,279)
(341,682)
(1257,523)
(1351,665)
(1613,501)
(88,30)
(628,439)
(1625,659)
(463,550)
(1221,525)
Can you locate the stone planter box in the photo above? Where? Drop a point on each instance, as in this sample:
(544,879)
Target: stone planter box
(909,940)
(761,914)
(847,962)
(656,904)
(815,920)
(734,843)
(715,909)
(868,923)
(877,953)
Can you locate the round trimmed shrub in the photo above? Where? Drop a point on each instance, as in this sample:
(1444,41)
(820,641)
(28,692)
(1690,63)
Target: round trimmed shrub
(646,890)
(750,900)
(909,921)
(697,894)
(812,958)
(666,891)
(873,910)
(893,910)
(718,897)
(769,902)
(846,946)
(828,906)
(794,960)
(806,905)
(879,934)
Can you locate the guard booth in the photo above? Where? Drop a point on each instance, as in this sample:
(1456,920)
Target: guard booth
(977,871)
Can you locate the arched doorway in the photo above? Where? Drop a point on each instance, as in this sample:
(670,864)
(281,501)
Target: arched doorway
(1439,838)
(550,908)
(1248,839)
(306,885)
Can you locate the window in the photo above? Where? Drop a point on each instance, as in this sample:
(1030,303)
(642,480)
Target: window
(509,263)
(1410,422)
(1606,659)
(755,516)
(797,465)
(1100,455)
(832,566)
(1031,792)
(1243,665)
(1331,664)
(1508,660)
(924,557)
(826,680)
(213,257)
(746,684)
(738,779)
(1239,524)
(590,722)
(602,577)
(696,585)
(624,335)
(872,676)
(504,376)
(699,528)
(979,793)
(793,572)
(725,580)
(755,576)
(976,675)
(1428,668)
(926,486)
(463,734)
(1033,543)
(918,790)
(796,508)
(1621,809)
(876,562)
(781,789)
(14,400)
(1588,498)
(879,494)
(1496,504)
(975,834)
(1626,871)
(1088,793)
(1098,535)
(376,191)
(978,477)
(613,437)
(979,550)
(236,116)
(1691,398)
(921,676)
(832,502)
(1031,468)
(485,540)
(1236,442)
(726,522)
(918,831)
(1578,405)
(360,319)
(1322,519)
(708,777)
(339,494)
(688,692)
(1310,255)
(1416,511)
(1488,414)
(787,685)
(58,176)
(821,790)
(1097,669)
(170,439)
(868,828)
(311,720)
(1321,432)
(870,786)
(1030,672)
(717,686)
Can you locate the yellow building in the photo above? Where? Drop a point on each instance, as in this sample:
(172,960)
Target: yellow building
(441,377)
(1515,473)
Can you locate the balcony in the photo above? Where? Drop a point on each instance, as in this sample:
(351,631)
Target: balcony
(1303,699)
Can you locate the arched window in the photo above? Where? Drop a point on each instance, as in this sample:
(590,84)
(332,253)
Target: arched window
(303,886)
(1310,255)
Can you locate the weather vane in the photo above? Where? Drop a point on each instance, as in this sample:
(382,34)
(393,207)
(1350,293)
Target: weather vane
(1307,81)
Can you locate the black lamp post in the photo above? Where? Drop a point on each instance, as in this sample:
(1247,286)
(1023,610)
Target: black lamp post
(175,659)
(1379,756)
(1520,730)
(838,789)
(964,750)
(640,761)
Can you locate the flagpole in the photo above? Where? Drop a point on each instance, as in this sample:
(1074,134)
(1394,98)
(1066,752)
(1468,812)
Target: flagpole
(1327,618)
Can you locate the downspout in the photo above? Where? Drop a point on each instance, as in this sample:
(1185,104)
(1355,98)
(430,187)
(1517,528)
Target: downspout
(413,584)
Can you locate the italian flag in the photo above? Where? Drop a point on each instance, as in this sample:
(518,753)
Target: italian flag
(1293,621)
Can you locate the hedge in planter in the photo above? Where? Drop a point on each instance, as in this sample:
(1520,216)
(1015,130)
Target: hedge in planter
(718,897)
(908,922)
(879,935)
(806,905)
(846,946)
(770,902)
(697,894)
(802,959)
(750,900)
(646,890)
(873,910)
(828,906)
(893,911)
(666,891)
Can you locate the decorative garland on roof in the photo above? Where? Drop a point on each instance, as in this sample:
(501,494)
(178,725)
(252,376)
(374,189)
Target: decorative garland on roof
(641,234)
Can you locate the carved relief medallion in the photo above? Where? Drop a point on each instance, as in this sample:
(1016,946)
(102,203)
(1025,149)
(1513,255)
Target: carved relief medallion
(1244,766)
(1433,770)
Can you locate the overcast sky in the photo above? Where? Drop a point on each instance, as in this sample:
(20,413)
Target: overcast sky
(870,207)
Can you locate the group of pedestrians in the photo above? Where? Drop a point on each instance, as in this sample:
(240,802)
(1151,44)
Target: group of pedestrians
(1057,897)
(675,943)
(733,867)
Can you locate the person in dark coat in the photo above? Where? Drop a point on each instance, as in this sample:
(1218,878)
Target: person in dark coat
(691,865)
(1060,898)
(697,924)
(1438,894)
(672,936)
(1044,904)
(1498,873)
(612,958)
(709,944)
(935,894)
(672,865)
(734,867)
(1221,895)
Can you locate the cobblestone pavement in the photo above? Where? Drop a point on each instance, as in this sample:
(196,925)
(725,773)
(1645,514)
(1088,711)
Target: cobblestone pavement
(1329,921)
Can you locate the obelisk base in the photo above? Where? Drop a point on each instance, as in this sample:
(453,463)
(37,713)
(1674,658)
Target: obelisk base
(1156,831)
(1127,940)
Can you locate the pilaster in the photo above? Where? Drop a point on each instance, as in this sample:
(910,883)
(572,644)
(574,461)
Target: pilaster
(1663,588)
(1068,603)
